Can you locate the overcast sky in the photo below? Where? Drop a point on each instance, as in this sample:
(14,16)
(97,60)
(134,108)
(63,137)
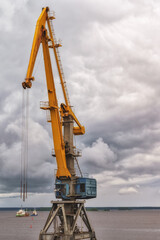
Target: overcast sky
(111,61)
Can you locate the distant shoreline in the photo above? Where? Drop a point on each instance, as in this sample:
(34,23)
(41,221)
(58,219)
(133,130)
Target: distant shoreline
(87,208)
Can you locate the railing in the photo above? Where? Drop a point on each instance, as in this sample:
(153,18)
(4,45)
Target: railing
(48,115)
(51,14)
(78,152)
(44,104)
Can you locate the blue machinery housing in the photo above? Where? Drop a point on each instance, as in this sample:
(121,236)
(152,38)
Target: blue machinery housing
(85,188)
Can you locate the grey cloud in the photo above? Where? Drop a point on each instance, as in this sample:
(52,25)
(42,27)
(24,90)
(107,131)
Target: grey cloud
(111,63)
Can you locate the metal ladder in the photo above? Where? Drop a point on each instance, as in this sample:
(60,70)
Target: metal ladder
(56,44)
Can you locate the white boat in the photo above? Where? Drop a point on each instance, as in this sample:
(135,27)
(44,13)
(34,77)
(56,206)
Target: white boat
(22,213)
(34,213)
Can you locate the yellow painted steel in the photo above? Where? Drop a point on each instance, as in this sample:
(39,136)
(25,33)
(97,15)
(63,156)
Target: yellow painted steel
(76,130)
(35,46)
(55,119)
(57,62)
(41,36)
(66,111)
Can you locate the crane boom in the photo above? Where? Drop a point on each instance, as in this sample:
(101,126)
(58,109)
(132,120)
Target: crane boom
(41,36)
(55,120)
(35,46)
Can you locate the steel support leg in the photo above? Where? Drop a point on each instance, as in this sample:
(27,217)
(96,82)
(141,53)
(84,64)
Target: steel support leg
(63,224)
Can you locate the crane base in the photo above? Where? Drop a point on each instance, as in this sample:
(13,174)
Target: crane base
(67,220)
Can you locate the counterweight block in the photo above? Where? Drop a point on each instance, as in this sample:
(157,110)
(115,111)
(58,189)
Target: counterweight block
(84,188)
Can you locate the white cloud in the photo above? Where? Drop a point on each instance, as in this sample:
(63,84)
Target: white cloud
(9,195)
(98,156)
(9,9)
(129,190)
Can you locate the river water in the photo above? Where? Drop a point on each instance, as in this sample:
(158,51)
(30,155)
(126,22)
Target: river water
(113,225)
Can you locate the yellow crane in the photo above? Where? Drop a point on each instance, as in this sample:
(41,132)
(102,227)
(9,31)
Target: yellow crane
(68,185)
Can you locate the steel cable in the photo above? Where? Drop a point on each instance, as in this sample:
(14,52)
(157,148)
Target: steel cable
(24,145)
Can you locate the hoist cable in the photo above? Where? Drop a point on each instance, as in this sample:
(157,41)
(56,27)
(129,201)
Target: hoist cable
(24,145)
(27,119)
(24,150)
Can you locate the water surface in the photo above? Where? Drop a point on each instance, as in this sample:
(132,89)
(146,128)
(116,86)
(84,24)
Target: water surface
(113,225)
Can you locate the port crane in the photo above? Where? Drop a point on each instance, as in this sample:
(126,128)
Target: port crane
(69,187)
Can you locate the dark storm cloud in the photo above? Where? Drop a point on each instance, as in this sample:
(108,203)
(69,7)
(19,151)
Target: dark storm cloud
(111,59)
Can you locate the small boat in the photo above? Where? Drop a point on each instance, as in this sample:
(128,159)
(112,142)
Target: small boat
(26,213)
(34,213)
(22,213)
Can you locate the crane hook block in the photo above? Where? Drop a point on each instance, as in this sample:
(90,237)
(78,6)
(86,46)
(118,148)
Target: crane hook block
(27,83)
